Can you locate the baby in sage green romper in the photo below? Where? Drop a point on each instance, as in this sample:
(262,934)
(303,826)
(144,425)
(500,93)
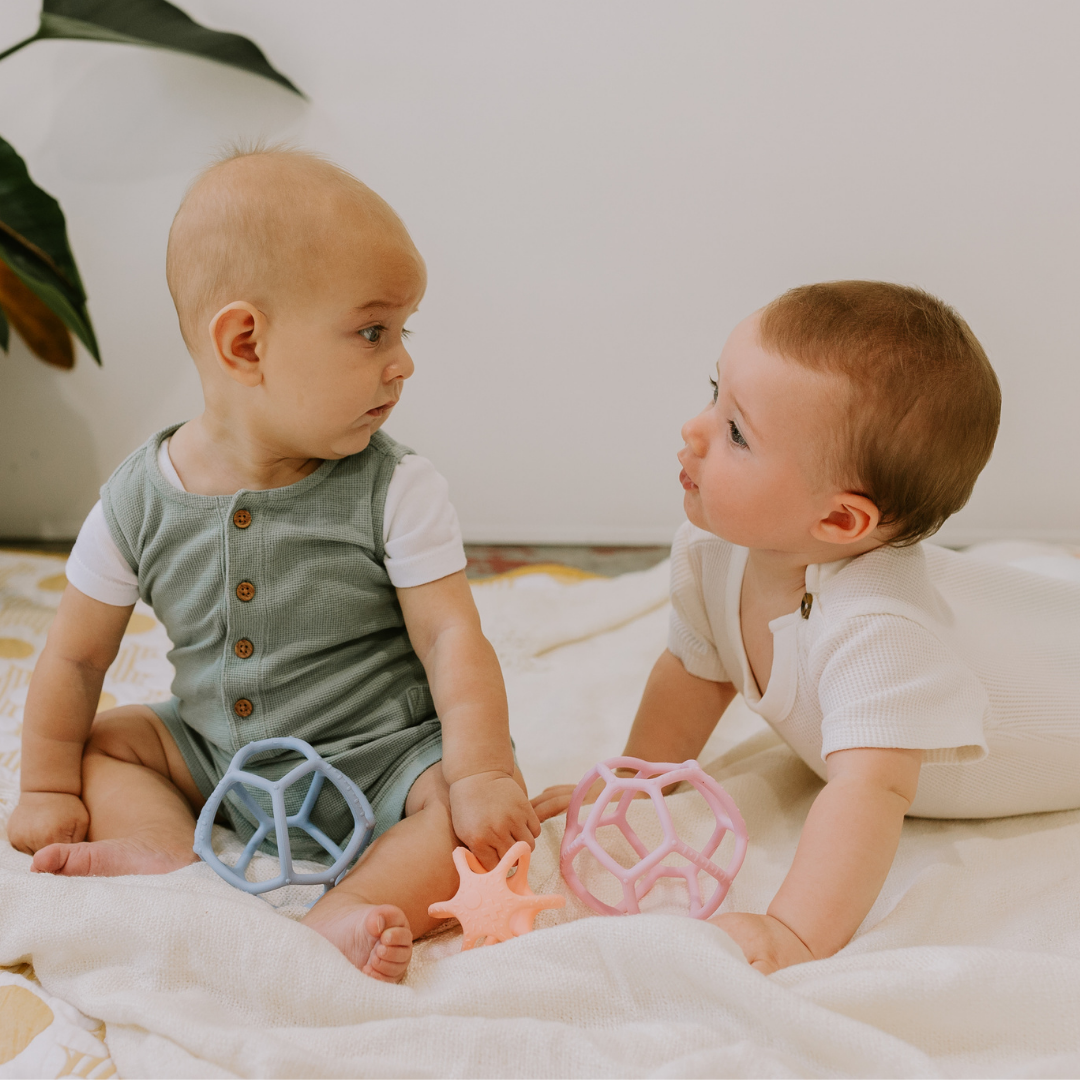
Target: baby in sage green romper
(308,569)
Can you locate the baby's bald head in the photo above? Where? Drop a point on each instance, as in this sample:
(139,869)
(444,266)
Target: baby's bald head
(267,226)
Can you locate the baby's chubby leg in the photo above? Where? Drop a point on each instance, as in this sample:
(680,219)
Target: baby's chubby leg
(375,913)
(139,795)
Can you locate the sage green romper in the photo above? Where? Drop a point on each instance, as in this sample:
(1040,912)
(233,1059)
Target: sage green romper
(283,621)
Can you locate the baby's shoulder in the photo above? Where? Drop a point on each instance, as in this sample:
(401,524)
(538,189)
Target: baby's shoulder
(132,498)
(380,451)
(967,604)
(135,469)
(885,581)
(366,476)
(880,616)
(953,593)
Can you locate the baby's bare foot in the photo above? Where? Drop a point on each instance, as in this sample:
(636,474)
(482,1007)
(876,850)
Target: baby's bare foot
(109,858)
(376,938)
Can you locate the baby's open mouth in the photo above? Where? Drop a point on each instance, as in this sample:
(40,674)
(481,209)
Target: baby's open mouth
(382,410)
(686,482)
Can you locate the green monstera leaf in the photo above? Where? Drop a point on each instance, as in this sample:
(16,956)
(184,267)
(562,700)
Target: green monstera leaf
(153,23)
(41,293)
(34,247)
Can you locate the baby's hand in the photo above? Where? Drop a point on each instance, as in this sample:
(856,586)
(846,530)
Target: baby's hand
(553,801)
(47,817)
(766,942)
(491,813)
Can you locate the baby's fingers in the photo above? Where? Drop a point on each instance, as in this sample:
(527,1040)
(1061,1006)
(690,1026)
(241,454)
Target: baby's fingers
(489,852)
(532,823)
(523,832)
(487,855)
(552,801)
(513,831)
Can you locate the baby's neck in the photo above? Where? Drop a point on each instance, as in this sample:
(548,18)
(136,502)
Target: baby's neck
(782,574)
(216,459)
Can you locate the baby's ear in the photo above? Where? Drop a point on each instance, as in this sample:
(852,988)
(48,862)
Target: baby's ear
(850,519)
(236,332)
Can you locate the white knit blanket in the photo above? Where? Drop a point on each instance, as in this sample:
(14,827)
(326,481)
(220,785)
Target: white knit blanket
(968,964)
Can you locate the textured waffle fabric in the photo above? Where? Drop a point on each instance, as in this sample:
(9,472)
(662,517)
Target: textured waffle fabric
(976,664)
(302,579)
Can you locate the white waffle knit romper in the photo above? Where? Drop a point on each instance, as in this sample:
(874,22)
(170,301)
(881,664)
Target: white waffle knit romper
(918,648)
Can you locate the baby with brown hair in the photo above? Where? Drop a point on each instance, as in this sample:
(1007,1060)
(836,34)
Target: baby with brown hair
(849,420)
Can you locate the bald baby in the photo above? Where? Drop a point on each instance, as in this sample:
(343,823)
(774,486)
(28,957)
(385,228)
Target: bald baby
(294,283)
(267,225)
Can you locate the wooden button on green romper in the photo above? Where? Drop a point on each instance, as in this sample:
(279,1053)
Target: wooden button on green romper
(283,621)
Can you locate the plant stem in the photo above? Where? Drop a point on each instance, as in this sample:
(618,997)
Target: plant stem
(15,48)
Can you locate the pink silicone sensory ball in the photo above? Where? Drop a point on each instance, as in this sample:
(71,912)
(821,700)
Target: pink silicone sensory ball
(651,778)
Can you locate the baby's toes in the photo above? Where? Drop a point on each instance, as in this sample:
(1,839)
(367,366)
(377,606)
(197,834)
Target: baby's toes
(391,943)
(50,859)
(387,919)
(389,962)
(396,936)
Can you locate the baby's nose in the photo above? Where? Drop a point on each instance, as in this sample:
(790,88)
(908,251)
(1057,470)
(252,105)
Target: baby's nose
(401,367)
(692,435)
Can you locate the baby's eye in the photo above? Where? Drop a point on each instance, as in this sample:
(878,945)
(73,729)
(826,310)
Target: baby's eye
(372,333)
(736,434)
(715,389)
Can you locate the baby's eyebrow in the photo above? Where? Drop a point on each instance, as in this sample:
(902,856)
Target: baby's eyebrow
(381,306)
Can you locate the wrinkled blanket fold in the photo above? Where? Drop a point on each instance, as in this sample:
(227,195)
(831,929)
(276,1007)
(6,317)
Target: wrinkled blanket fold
(968,964)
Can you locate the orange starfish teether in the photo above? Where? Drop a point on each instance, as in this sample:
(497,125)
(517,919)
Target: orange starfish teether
(490,905)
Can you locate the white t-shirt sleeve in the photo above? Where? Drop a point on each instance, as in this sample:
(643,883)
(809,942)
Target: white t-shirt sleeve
(95,566)
(887,681)
(690,635)
(421,534)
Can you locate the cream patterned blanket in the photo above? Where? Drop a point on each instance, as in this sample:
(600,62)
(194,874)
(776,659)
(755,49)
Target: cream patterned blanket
(968,965)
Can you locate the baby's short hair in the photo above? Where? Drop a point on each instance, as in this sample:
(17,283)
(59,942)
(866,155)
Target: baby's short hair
(924,407)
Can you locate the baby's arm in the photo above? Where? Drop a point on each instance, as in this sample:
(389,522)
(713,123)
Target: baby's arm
(844,854)
(489,807)
(60,707)
(677,714)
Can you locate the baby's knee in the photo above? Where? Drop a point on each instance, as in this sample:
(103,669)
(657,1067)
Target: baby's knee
(429,789)
(437,811)
(438,819)
(119,733)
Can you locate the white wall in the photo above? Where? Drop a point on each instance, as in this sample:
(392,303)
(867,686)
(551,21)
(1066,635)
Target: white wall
(601,190)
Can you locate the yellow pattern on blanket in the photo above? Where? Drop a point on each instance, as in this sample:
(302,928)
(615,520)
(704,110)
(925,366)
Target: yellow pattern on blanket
(30,588)
(40,1035)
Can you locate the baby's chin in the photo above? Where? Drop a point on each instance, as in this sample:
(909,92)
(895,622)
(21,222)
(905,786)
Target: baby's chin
(355,438)
(347,445)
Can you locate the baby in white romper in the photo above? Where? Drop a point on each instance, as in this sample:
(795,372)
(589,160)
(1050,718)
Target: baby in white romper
(848,421)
